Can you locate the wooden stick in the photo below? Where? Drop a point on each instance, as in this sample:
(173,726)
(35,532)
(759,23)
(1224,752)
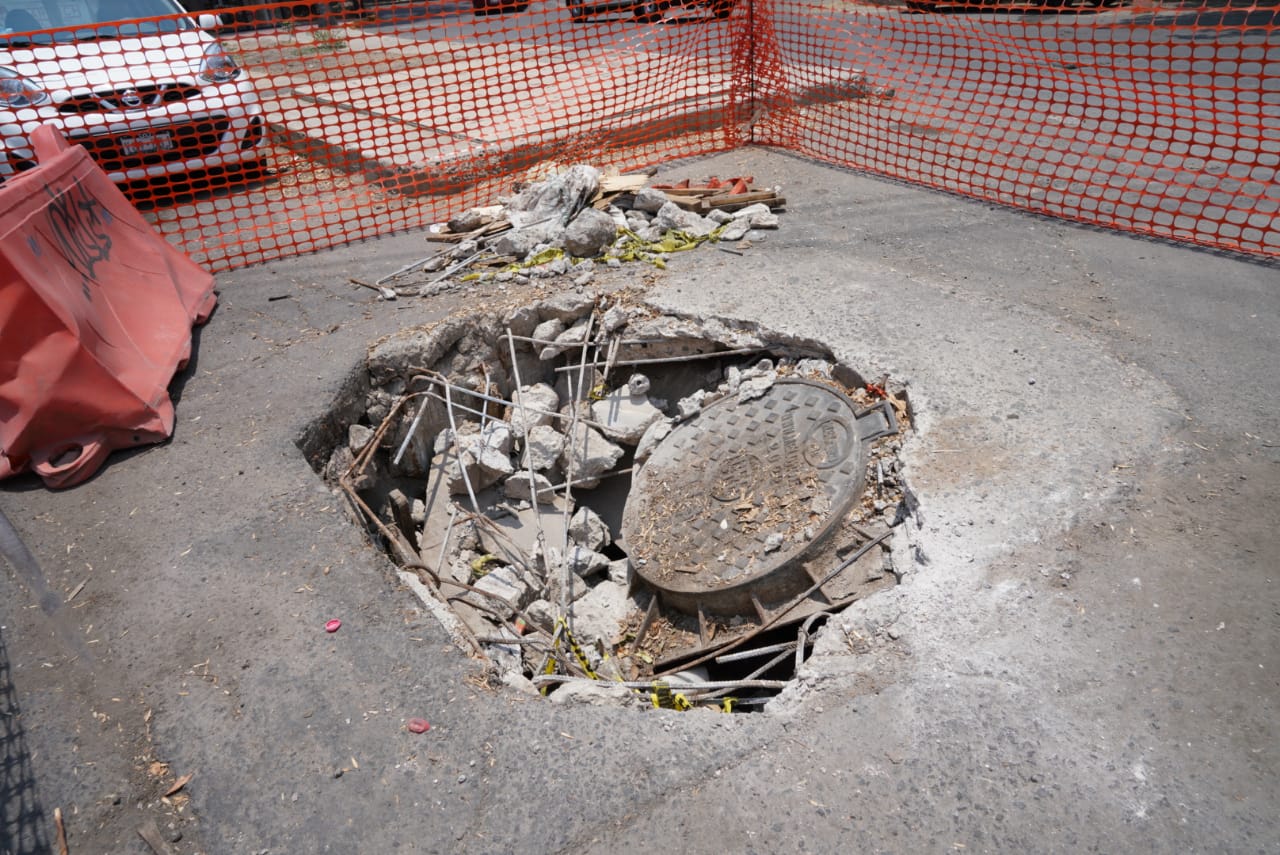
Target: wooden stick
(62,832)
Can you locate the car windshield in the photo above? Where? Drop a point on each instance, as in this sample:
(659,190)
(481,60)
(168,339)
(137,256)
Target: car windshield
(84,20)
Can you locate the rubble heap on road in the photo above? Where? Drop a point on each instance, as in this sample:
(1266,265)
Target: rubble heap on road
(493,455)
(570,222)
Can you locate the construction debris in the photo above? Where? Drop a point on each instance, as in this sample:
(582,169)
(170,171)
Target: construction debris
(569,223)
(495,458)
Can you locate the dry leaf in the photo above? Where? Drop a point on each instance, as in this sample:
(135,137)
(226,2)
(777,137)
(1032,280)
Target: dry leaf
(179,784)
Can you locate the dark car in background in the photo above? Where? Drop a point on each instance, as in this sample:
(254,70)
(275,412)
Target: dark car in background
(1007,5)
(645,10)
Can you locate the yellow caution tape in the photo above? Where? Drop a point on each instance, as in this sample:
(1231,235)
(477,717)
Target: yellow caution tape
(576,649)
(663,698)
(479,566)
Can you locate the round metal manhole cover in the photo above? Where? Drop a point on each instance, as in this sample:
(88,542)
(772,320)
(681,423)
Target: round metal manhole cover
(731,499)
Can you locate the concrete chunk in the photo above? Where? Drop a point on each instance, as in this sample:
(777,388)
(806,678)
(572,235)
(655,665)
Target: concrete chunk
(624,417)
(589,530)
(588,455)
(534,405)
(543,447)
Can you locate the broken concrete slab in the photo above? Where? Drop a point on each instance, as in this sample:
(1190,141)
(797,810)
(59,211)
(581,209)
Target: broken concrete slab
(624,416)
(512,535)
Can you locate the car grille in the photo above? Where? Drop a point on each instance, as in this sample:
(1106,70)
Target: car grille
(128,99)
(153,144)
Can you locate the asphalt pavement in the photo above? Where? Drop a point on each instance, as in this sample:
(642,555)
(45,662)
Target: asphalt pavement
(1082,655)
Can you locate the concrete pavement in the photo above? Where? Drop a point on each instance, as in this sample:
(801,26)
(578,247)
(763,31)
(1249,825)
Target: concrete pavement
(1083,660)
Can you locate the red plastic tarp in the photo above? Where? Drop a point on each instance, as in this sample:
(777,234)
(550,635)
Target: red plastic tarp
(96,311)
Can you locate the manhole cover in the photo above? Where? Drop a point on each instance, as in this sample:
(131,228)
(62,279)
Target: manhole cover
(720,513)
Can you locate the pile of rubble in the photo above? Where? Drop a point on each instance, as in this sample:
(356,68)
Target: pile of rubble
(494,455)
(568,223)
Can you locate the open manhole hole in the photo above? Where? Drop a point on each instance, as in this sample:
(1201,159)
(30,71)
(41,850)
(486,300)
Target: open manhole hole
(608,502)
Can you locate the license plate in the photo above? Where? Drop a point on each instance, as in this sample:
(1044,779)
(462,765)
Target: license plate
(147,142)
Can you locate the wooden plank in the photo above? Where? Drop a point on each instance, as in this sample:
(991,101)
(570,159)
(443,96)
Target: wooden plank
(623,183)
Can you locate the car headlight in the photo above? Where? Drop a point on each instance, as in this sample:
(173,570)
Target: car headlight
(218,66)
(17,91)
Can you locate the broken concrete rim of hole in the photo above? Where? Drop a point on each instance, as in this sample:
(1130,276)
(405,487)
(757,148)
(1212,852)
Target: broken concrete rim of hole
(611,504)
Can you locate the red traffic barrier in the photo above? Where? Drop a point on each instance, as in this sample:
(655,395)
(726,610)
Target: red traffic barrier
(96,311)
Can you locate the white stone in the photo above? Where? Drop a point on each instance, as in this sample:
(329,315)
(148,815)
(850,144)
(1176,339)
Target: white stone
(735,230)
(548,330)
(649,200)
(615,318)
(750,212)
(504,583)
(589,530)
(567,340)
(543,447)
(533,406)
(691,405)
(672,216)
(755,387)
(585,562)
(815,367)
(518,487)
(358,437)
(589,234)
(457,472)
(719,217)
(542,613)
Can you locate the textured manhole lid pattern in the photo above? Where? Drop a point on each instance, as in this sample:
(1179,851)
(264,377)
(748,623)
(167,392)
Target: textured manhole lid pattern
(703,507)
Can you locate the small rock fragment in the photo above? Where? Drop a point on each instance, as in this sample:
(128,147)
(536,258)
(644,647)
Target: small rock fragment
(533,406)
(543,447)
(589,530)
(649,200)
(587,455)
(590,233)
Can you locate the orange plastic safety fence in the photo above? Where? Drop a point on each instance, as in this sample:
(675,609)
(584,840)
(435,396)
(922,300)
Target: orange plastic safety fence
(1159,118)
(274,130)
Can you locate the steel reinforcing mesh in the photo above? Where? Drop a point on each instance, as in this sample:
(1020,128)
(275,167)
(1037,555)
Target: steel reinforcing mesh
(1157,119)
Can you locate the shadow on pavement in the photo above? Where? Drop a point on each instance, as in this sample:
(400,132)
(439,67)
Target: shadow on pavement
(23,824)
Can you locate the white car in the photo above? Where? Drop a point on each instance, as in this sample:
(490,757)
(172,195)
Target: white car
(147,98)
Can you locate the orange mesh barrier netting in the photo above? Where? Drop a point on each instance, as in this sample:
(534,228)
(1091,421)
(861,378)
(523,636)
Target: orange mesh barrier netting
(1162,120)
(276,130)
